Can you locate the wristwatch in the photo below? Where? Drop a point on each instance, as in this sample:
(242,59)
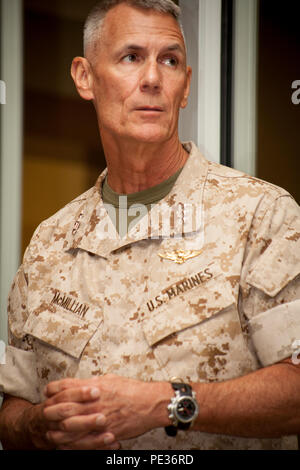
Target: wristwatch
(183,408)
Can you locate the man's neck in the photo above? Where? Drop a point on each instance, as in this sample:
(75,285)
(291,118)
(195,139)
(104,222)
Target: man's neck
(134,166)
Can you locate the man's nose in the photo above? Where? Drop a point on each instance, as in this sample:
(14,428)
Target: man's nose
(151,77)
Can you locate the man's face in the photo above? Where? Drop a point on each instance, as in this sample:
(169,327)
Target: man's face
(140,78)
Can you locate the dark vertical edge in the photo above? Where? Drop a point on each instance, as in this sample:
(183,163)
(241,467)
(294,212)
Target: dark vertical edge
(226,82)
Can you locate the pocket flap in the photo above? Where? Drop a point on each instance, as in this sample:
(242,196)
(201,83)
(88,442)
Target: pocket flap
(60,330)
(275,268)
(189,309)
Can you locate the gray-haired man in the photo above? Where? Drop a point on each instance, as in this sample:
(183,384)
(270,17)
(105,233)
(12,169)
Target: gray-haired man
(154,340)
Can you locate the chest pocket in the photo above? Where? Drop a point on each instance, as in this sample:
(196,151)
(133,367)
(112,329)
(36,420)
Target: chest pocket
(198,335)
(61,330)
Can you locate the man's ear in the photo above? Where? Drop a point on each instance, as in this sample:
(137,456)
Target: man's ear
(82,75)
(184,100)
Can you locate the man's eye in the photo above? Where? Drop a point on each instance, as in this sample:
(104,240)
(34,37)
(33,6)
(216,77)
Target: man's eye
(171,61)
(130,58)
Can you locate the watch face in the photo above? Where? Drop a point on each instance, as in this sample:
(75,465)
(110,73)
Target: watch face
(186,409)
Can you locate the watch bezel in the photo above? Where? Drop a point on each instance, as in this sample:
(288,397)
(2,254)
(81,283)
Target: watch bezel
(177,414)
(173,408)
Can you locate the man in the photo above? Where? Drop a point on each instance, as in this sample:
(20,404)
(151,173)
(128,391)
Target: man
(156,339)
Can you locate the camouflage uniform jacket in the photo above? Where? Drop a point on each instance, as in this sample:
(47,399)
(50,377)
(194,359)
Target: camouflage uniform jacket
(205,301)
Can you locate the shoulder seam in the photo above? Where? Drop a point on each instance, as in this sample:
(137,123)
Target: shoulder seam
(240,175)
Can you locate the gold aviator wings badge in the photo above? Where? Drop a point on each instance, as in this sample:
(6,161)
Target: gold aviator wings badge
(180,256)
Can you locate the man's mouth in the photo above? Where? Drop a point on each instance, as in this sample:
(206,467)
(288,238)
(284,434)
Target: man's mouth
(157,109)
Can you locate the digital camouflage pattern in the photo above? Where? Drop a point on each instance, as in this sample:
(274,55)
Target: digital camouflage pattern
(208,305)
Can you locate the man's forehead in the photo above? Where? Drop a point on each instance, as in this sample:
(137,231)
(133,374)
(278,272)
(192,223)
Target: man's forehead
(125,22)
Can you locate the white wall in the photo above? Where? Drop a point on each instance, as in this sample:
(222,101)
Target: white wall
(245,85)
(200,121)
(11,149)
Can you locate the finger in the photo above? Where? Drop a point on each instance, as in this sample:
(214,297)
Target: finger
(93,422)
(62,411)
(53,426)
(59,385)
(76,395)
(59,438)
(114,446)
(93,441)
(64,384)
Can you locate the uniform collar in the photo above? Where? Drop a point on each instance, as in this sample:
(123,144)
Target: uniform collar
(95,232)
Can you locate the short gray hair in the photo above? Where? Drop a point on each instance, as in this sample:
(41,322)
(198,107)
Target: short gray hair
(95,19)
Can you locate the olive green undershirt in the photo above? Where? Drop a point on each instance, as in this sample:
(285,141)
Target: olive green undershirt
(147,198)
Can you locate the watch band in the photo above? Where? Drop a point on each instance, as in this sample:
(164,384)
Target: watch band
(181,387)
(184,389)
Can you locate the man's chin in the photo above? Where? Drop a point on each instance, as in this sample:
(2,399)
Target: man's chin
(147,134)
(151,135)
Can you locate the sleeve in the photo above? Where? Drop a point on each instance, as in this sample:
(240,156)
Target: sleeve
(271,294)
(18,374)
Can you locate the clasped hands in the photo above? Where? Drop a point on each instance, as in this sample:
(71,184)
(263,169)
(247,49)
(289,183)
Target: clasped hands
(96,413)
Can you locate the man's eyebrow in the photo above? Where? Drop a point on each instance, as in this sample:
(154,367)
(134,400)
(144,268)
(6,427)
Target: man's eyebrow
(136,47)
(175,47)
(130,47)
